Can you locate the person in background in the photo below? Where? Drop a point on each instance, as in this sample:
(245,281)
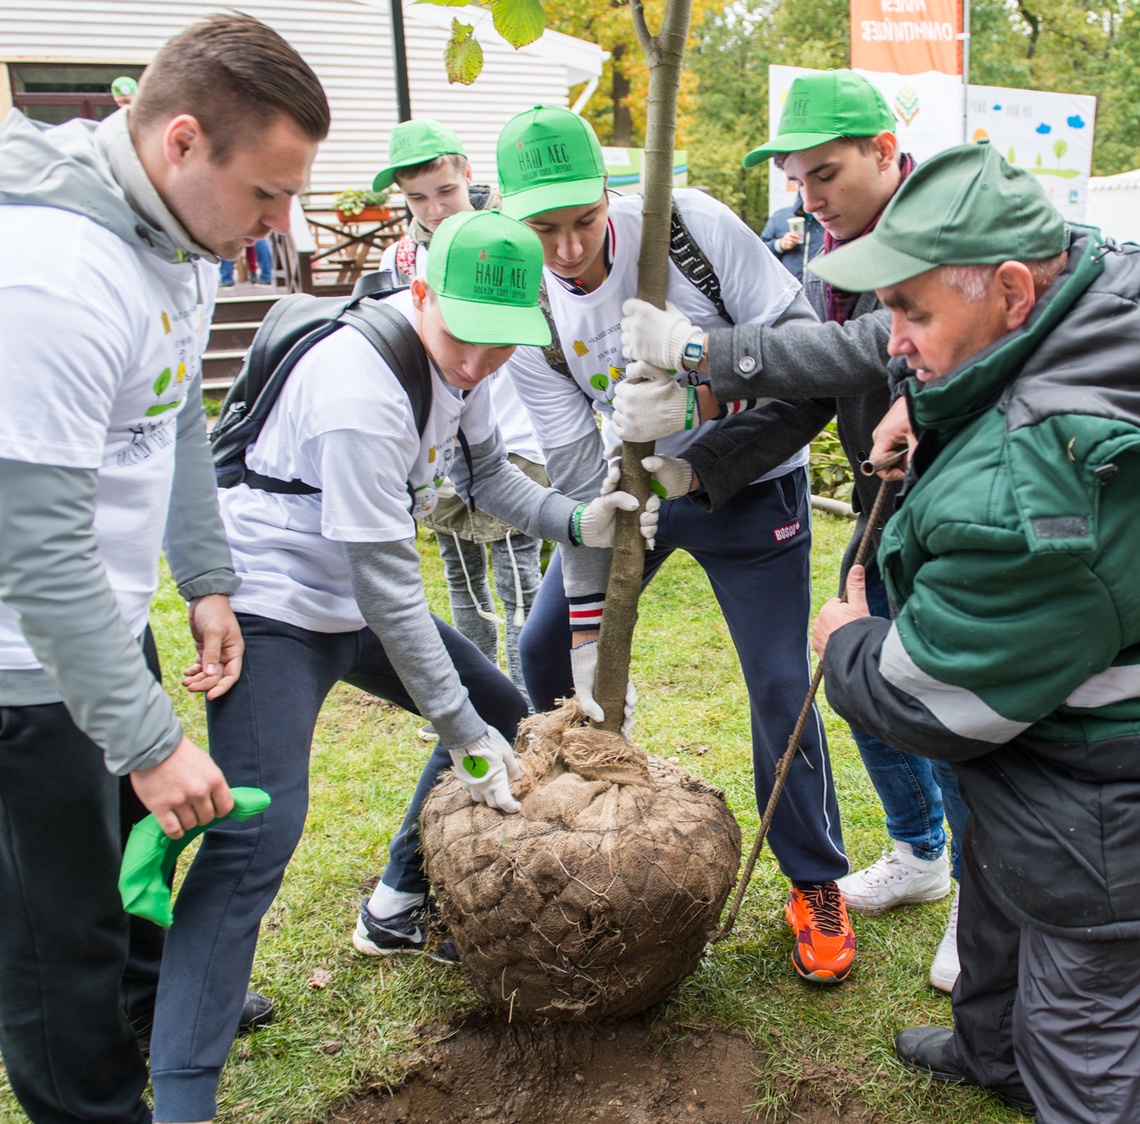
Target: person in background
(259,258)
(794,235)
(427,162)
(123,90)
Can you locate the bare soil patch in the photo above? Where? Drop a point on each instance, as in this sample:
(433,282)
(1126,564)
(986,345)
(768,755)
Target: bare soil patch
(484,1069)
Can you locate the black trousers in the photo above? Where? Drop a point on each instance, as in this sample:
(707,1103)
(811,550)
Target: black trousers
(1045,1017)
(72,965)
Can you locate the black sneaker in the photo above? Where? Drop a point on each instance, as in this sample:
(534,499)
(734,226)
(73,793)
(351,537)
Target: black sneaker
(409,931)
(256,1011)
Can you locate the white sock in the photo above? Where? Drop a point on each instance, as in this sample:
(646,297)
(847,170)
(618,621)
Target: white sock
(386,902)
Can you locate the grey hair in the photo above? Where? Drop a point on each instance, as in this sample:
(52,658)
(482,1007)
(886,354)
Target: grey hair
(971,281)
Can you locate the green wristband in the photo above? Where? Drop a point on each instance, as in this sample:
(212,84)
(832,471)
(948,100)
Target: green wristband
(576,524)
(690,407)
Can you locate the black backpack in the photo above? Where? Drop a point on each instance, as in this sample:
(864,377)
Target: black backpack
(292,326)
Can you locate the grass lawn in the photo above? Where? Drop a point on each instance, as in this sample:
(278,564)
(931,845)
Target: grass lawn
(327,1043)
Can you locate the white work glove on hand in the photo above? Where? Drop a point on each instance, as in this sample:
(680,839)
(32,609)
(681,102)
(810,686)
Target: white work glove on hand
(485,769)
(649,403)
(584,666)
(671,476)
(647,520)
(595,522)
(653,335)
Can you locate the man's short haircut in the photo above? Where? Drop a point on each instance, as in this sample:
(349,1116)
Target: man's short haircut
(447,160)
(865,145)
(971,281)
(235,75)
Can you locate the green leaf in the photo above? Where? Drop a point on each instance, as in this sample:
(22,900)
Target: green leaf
(1060,148)
(446,3)
(462,56)
(519,22)
(163,381)
(162,407)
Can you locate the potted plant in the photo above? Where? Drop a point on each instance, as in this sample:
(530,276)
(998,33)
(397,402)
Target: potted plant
(362,206)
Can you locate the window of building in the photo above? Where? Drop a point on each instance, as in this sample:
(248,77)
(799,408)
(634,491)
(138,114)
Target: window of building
(57,92)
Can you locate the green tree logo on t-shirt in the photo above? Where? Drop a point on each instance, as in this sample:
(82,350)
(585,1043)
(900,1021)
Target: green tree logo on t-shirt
(160,387)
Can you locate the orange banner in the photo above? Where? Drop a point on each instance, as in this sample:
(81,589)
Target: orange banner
(906,36)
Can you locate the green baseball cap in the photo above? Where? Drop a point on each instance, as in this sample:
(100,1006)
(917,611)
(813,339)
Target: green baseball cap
(965,206)
(824,106)
(485,270)
(549,158)
(124,86)
(416,142)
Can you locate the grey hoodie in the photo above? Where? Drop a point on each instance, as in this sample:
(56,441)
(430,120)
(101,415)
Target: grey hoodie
(67,610)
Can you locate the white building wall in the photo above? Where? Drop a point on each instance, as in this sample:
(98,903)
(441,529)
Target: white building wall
(348,44)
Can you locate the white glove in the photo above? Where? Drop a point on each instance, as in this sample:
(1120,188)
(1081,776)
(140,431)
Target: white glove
(485,769)
(647,408)
(656,336)
(584,666)
(673,476)
(594,522)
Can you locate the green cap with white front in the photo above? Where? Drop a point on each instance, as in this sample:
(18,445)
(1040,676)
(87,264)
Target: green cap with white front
(549,158)
(416,142)
(965,206)
(124,86)
(825,106)
(485,270)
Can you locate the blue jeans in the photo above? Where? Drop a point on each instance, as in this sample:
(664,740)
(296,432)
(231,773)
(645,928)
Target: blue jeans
(260,734)
(756,552)
(915,792)
(264,254)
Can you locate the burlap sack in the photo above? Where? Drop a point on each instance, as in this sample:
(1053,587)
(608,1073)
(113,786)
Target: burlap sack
(596,900)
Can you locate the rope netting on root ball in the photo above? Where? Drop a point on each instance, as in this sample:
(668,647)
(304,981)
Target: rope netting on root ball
(597,899)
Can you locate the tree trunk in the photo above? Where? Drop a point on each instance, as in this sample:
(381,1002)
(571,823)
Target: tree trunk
(622,135)
(665,53)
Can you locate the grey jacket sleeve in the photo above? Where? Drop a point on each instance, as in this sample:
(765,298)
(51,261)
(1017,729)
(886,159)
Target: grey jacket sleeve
(388,588)
(52,579)
(577,470)
(505,491)
(749,445)
(195,542)
(800,358)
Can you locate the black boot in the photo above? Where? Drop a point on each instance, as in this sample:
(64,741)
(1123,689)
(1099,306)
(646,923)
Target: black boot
(929,1049)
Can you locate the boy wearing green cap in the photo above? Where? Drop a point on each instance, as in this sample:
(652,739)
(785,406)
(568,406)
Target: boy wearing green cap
(426,160)
(331,590)
(836,143)
(755,550)
(1014,654)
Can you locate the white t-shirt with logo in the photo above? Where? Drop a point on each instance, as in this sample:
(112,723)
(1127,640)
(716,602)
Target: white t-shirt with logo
(97,348)
(754,288)
(343,424)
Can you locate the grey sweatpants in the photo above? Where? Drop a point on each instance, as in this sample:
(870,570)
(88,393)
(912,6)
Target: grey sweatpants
(1059,1015)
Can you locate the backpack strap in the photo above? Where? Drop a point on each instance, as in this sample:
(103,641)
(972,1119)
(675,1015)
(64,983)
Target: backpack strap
(690,259)
(553,354)
(400,347)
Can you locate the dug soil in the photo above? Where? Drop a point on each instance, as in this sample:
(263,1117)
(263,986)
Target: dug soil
(483,1069)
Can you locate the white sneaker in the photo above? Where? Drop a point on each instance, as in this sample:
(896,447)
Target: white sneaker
(944,971)
(898,878)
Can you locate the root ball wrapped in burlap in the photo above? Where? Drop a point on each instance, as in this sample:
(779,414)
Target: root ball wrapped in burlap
(596,900)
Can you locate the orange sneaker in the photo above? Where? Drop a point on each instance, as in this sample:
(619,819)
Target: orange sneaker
(825,941)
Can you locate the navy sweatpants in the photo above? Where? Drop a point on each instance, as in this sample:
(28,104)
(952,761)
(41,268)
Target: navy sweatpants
(756,552)
(260,734)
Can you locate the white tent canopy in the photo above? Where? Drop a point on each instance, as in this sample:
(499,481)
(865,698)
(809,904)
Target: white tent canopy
(1114,205)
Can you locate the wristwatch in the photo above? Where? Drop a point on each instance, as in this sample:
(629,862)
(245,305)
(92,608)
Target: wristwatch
(694,350)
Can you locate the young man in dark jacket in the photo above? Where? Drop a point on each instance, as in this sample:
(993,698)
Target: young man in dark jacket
(1014,654)
(835,143)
